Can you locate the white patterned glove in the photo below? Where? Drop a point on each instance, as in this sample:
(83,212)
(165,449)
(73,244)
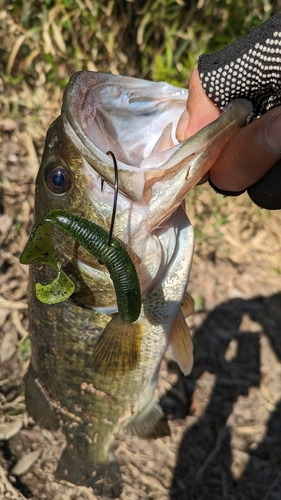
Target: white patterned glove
(249,68)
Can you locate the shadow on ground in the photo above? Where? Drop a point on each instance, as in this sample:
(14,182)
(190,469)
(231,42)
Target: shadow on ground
(204,467)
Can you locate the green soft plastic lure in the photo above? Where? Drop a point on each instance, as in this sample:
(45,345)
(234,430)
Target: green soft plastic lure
(39,249)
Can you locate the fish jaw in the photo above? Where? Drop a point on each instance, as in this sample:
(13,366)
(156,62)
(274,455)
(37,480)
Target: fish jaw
(137,120)
(190,161)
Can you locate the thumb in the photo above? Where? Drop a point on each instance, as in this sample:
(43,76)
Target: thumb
(199,112)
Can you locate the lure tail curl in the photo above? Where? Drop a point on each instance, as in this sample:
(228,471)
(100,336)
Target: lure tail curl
(39,249)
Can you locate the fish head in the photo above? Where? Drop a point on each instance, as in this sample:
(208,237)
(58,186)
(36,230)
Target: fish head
(137,121)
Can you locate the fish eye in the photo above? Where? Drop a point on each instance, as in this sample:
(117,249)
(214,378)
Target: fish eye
(58,179)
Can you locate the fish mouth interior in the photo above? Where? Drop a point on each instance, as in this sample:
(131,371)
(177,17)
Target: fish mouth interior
(132,118)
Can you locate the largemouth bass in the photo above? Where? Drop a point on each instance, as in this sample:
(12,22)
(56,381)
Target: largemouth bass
(91,372)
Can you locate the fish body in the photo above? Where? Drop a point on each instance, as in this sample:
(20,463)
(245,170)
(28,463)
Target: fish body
(91,373)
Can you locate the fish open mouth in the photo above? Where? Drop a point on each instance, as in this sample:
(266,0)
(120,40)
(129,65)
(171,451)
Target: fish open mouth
(137,120)
(132,117)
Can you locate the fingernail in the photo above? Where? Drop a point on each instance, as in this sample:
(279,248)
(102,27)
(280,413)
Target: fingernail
(272,132)
(182,126)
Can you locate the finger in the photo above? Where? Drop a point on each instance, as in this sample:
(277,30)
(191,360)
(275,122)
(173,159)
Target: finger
(266,193)
(200,110)
(250,154)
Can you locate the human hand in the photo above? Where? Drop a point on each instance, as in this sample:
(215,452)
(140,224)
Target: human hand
(249,159)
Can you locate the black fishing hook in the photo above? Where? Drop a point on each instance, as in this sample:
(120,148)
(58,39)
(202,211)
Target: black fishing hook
(115,195)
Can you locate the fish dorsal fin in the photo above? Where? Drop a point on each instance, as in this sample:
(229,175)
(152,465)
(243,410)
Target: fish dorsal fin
(118,348)
(187,306)
(150,423)
(181,344)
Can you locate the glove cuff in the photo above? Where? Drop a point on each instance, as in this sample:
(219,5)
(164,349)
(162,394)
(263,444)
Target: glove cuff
(226,193)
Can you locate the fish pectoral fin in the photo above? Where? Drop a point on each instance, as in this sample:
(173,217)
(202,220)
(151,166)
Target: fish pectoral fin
(181,344)
(37,402)
(118,348)
(187,306)
(150,423)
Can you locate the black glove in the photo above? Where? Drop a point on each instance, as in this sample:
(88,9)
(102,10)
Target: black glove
(249,68)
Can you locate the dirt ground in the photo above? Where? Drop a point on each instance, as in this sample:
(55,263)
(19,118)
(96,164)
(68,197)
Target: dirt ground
(225,417)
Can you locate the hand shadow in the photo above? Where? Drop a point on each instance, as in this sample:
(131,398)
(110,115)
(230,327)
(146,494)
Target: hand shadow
(203,469)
